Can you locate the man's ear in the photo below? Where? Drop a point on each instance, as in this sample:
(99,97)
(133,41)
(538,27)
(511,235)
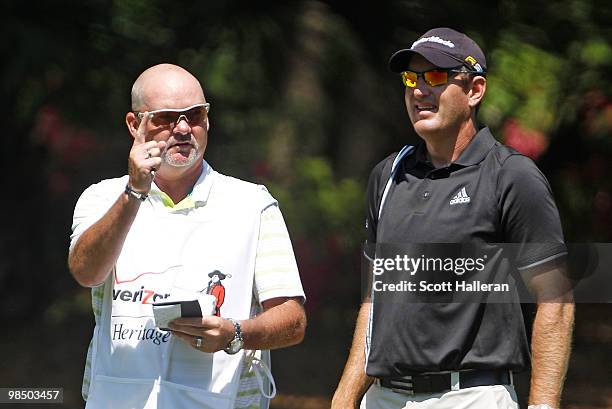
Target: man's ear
(477,90)
(132,122)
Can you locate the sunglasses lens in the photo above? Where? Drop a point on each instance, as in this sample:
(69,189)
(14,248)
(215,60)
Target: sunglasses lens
(196,115)
(409,78)
(434,78)
(164,118)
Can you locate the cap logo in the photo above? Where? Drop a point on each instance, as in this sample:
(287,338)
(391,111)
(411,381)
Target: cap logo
(471,60)
(474,63)
(433,39)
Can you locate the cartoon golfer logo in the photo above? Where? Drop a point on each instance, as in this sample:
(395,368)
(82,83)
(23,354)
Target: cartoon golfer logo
(216,288)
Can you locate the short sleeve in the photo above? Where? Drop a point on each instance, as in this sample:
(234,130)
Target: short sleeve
(528,212)
(276,271)
(93,203)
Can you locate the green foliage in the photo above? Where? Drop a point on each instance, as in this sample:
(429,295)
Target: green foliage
(525,83)
(596,53)
(141,21)
(315,204)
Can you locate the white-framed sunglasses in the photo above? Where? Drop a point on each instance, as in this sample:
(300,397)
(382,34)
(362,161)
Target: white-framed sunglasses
(162,118)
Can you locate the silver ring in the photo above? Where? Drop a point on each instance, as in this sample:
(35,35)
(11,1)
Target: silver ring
(198,342)
(148,155)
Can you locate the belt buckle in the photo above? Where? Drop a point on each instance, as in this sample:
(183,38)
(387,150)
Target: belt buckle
(402,385)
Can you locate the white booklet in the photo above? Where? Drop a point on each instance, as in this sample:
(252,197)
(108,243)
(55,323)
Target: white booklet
(198,305)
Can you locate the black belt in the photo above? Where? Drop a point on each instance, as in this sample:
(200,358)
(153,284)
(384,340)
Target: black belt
(446,381)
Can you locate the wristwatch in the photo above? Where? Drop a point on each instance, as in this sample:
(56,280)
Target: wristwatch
(236,343)
(136,195)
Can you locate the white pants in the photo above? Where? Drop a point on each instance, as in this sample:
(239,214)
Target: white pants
(480,397)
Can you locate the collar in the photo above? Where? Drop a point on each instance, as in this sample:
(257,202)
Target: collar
(418,158)
(473,154)
(201,189)
(477,149)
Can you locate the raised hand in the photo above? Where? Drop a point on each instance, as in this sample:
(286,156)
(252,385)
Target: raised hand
(144,158)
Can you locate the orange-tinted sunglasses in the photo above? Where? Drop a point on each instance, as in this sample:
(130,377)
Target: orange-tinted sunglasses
(433,77)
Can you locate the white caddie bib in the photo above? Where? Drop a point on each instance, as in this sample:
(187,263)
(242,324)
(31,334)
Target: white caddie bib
(135,364)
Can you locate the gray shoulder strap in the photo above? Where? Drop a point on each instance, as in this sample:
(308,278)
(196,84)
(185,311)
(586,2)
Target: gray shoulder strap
(406,150)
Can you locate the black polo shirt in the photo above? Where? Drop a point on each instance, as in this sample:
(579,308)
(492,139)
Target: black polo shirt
(490,194)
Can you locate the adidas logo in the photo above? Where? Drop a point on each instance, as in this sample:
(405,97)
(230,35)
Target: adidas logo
(460,197)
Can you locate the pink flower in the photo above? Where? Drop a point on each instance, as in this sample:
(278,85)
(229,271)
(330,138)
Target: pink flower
(527,141)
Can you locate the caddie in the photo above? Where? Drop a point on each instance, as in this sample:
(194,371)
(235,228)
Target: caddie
(165,230)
